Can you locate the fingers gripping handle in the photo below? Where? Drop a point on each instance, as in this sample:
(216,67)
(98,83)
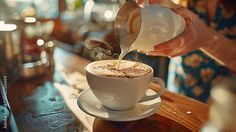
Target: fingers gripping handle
(162,88)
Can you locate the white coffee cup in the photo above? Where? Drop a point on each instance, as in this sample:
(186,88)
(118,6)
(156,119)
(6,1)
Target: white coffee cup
(121,93)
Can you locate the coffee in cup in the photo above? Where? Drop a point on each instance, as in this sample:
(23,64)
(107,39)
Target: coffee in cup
(123,88)
(127,69)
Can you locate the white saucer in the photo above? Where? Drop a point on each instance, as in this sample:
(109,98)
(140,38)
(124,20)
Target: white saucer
(92,106)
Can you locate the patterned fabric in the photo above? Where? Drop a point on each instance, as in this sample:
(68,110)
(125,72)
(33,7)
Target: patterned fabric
(193,74)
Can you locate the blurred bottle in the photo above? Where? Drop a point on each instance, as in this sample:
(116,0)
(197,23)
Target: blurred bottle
(10,48)
(222,114)
(78,4)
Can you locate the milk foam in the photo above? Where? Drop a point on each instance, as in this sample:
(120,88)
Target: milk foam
(128,69)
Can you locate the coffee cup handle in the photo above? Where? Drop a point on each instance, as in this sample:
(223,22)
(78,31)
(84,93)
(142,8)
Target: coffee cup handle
(162,88)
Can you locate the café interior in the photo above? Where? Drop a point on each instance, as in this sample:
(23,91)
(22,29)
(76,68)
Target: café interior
(45,46)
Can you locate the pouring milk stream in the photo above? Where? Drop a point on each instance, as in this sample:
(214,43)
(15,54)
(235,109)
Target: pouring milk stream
(143,27)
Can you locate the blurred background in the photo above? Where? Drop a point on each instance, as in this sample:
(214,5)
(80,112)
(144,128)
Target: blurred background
(30,28)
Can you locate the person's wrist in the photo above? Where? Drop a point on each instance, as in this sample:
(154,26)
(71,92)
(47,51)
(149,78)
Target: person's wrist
(213,48)
(211,42)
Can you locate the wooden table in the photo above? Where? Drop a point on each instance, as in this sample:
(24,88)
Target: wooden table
(49,103)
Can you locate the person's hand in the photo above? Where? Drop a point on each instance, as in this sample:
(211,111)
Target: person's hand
(196,35)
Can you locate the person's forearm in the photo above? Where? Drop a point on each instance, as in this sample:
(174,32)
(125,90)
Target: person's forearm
(223,50)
